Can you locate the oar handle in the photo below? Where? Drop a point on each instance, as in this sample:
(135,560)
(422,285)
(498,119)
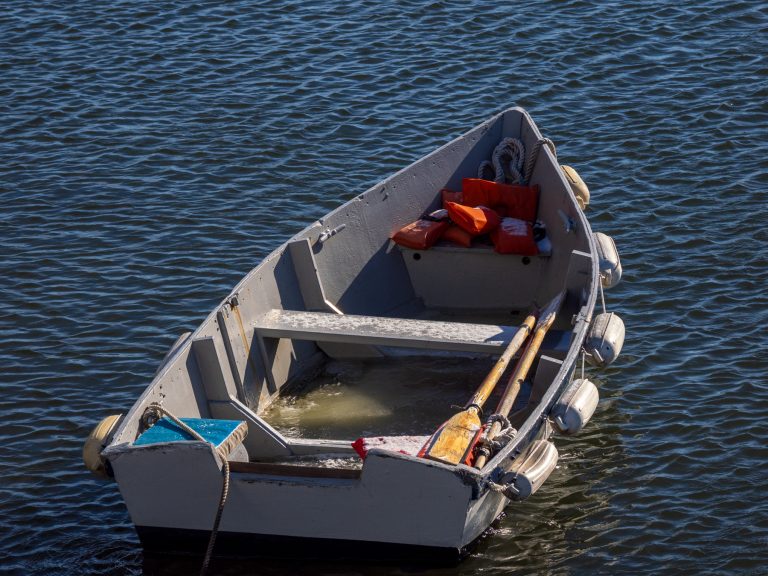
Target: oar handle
(490,381)
(521,371)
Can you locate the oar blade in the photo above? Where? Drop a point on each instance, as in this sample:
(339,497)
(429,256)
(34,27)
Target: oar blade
(453,439)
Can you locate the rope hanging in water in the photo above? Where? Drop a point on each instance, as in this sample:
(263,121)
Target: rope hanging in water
(224,489)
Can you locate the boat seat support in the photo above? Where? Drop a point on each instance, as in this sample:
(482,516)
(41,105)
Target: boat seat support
(546,372)
(222,394)
(305,268)
(313,294)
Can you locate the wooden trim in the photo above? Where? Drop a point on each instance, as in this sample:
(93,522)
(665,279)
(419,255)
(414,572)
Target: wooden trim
(267,469)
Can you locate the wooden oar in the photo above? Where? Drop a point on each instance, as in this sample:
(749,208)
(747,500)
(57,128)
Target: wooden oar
(453,440)
(546,320)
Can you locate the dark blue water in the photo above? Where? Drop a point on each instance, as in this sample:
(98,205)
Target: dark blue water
(150,154)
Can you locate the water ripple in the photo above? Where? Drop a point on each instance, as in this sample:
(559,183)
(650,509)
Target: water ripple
(151,154)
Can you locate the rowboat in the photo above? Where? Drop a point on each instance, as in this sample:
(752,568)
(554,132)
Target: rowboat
(194,458)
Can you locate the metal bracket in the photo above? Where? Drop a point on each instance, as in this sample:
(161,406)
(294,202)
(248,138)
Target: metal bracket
(568,222)
(328,233)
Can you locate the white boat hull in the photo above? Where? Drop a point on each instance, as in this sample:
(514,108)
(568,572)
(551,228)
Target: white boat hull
(395,500)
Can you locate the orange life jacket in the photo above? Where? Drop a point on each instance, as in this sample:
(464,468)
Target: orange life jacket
(458,236)
(475,221)
(421,234)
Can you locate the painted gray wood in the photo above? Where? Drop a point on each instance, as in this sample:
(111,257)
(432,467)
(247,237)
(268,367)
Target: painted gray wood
(174,347)
(312,292)
(310,285)
(218,381)
(262,440)
(546,371)
(426,334)
(397,332)
(477,278)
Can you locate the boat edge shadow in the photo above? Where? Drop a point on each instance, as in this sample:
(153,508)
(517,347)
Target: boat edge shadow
(159,543)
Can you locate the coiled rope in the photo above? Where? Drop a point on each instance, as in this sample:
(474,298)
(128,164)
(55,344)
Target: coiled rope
(505,437)
(509,163)
(157,409)
(506,162)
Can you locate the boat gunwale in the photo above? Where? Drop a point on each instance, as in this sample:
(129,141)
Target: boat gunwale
(495,467)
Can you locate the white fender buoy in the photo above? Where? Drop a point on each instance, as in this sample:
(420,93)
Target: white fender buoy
(530,469)
(96,442)
(605,339)
(575,407)
(577,185)
(610,263)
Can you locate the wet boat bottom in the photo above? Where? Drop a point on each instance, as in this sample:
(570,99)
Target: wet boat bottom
(160,542)
(390,397)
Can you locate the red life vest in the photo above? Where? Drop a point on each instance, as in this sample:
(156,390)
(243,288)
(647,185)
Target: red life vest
(514,236)
(451,196)
(518,201)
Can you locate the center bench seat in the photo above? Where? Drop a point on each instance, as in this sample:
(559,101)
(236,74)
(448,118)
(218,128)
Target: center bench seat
(402,332)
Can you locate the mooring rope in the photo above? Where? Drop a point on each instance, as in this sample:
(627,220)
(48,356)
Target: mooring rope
(530,161)
(224,488)
(602,295)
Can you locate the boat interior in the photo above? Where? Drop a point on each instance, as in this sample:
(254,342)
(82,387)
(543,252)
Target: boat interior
(342,291)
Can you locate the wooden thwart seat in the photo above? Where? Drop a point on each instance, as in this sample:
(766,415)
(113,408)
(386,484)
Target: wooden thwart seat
(381,331)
